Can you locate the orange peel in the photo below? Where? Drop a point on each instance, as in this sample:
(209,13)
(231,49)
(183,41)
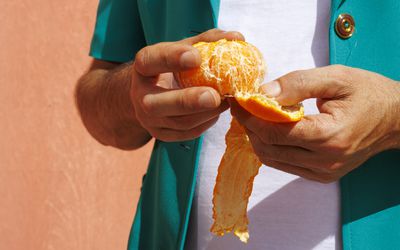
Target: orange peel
(239,165)
(237,69)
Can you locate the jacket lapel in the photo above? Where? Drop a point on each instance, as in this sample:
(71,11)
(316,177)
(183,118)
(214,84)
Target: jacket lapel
(164,207)
(370,195)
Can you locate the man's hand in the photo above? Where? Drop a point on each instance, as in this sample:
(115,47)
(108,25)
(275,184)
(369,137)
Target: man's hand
(359,117)
(165,111)
(124,105)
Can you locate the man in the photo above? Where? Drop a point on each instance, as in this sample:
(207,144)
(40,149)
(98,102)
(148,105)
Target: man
(351,134)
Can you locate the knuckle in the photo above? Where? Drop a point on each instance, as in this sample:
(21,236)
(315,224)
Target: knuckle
(302,83)
(295,80)
(186,100)
(142,59)
(321,130)
(339,68)
(301,131)
(167,57)
(148,104)
(340,73)
(339,145)
(298,75)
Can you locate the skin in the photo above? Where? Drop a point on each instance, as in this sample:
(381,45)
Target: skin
(125,105)
(359,117)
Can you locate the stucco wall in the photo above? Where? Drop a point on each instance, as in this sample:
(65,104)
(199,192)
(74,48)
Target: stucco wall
(59,188)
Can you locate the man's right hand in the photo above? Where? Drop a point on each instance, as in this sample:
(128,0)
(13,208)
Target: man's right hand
(165,111)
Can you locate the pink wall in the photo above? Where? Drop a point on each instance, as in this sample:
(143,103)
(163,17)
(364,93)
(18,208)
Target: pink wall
(59,188)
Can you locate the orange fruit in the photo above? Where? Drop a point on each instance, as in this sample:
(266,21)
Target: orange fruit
(227,66)
(237,68)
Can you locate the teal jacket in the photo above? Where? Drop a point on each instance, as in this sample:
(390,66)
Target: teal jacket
(370,195)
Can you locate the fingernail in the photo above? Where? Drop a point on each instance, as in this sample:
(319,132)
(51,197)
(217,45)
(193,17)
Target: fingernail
(207,100)
(272,89)
(189,59)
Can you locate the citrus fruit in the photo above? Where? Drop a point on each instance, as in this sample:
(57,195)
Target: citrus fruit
(236,69)
(227,66)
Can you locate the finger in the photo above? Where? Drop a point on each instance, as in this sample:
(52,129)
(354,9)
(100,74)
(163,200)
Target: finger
(266,131)
(308,132)
(176,56)
(325,83)
(215,35)
(187,122)
(288,154)
(171,135)
(166,57)
(181,101)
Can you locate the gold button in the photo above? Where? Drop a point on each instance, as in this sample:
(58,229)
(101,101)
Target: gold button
(344,26)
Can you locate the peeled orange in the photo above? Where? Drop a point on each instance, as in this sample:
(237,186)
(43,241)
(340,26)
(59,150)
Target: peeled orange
(236,69)
(227,66)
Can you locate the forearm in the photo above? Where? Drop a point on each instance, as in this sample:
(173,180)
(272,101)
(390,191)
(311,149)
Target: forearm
(103,100)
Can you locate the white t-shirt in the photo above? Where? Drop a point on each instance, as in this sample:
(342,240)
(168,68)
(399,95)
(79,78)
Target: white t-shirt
(285,211)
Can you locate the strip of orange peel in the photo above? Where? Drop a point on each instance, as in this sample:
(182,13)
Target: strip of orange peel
(239,165)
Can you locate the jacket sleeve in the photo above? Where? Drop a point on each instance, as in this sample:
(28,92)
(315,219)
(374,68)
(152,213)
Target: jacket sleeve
(118,33)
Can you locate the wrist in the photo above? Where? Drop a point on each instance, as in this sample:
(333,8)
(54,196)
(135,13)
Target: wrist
(121,120)
(103,100)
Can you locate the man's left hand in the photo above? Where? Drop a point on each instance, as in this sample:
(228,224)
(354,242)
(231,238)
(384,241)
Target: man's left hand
(359,117)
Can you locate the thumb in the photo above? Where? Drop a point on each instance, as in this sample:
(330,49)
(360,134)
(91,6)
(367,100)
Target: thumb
(297,86)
